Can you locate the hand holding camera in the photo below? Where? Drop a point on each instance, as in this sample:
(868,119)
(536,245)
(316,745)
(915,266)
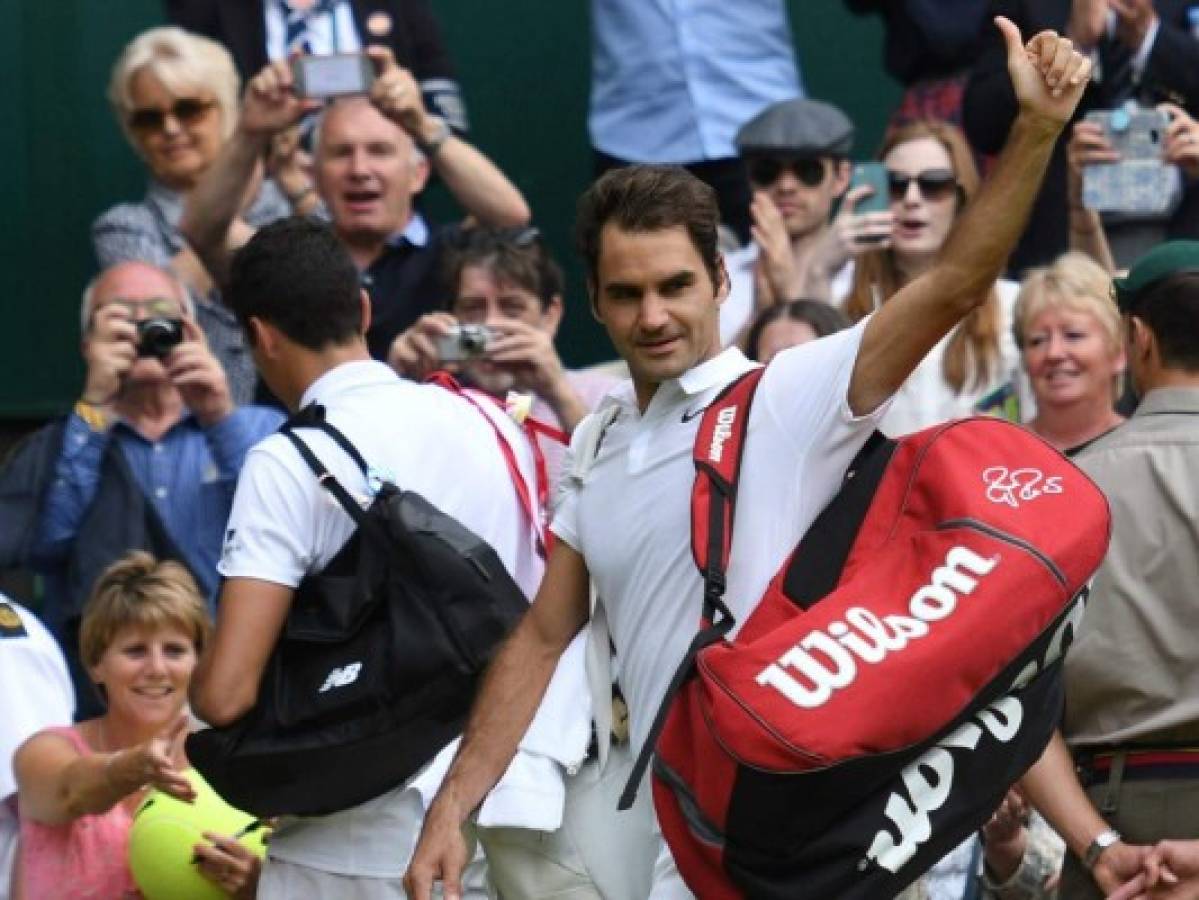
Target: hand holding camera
(417,352)
(198,376)
(398,96)
(272,103)
(529,354)
(1181,146)
(110,349)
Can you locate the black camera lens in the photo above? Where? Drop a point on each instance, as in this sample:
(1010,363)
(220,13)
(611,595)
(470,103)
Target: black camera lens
(159,336)
(473,339)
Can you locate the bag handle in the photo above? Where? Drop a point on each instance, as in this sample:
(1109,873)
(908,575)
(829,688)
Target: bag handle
(717,453)
(313,416)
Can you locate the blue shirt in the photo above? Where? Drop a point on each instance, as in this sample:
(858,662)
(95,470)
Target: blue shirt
(188,475)
(673,80)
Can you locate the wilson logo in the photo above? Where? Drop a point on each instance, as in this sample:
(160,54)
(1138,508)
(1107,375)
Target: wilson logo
(341,676)
(928,782)
(721,433)
(1011,487)
(824,662)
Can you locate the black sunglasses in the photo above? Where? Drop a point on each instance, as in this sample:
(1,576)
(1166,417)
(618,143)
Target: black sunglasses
(765,170)
(186,111)
(934,184)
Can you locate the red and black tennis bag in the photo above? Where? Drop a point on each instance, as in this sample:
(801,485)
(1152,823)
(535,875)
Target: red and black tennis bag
(901,671)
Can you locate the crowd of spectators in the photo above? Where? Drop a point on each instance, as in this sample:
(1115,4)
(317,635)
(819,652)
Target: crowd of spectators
(197,349)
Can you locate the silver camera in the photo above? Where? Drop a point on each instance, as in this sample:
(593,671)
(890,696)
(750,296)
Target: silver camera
(464,342)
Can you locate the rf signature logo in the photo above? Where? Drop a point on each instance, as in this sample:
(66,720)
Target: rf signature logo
(1011,487)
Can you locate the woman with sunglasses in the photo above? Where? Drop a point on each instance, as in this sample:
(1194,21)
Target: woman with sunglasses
(976,368)
(175,96)
(78,787)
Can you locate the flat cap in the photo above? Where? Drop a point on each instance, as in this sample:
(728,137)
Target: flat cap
(1164,260)
(799,127)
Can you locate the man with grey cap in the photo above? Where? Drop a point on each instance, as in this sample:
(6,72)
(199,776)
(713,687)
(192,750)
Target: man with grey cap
(796,154)
(1132,676)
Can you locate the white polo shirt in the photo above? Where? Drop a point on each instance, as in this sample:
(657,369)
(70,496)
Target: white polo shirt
(37,694)
(284,525)
(631,517)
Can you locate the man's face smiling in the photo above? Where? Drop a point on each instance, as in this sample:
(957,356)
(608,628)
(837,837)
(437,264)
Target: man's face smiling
(658,303)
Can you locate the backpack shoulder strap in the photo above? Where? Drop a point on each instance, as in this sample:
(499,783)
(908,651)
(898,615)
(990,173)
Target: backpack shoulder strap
(313,416)
(717,452)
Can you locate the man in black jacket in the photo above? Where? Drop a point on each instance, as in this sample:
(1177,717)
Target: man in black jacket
(1146,50)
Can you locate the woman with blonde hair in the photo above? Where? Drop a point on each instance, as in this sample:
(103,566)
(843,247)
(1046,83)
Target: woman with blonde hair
(1069,332)
(142,632)
(932,176)
(175,96)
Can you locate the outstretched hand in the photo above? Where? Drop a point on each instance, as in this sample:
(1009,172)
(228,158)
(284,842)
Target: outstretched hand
(1048,74)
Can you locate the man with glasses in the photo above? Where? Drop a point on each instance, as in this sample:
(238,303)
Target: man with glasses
(796,153)
(147,459)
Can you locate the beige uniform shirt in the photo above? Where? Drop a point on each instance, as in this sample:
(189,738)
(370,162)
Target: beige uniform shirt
(1133,674)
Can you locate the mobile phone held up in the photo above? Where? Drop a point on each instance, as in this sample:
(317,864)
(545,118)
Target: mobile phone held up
(1141,185)
(335,75)
(873,175)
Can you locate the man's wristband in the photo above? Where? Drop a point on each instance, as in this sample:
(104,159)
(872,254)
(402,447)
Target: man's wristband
(93,415)
(1095,849)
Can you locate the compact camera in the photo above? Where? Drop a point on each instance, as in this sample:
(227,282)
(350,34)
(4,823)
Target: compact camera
(334,75)
(464,342)
(1141,185)
(159,336)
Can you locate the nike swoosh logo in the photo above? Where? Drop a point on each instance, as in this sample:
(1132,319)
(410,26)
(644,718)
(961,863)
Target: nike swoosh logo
(690,414)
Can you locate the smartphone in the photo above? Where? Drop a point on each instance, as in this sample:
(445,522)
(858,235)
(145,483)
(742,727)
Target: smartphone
(873,174)
(1141,185)
(335,75)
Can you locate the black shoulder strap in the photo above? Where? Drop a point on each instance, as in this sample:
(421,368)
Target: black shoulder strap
(313,416)
(717,453)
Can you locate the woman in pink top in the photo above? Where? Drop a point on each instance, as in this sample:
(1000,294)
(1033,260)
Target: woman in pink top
(142,631)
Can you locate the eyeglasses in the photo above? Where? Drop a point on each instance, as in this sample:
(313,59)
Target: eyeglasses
(765,170)
(934,184)
(482,238)
(153,308)
(186,111)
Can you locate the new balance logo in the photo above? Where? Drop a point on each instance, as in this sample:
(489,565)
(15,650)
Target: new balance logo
(341,676)
(723,431)
(823,662)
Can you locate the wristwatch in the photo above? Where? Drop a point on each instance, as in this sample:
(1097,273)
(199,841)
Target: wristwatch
(440,136)
(1095,849)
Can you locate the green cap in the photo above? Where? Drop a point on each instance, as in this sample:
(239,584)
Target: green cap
(1164,260)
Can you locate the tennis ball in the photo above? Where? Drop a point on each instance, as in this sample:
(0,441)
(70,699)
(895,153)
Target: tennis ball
(164,832)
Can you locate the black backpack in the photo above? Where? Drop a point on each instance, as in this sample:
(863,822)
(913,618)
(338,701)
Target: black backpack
(378,661)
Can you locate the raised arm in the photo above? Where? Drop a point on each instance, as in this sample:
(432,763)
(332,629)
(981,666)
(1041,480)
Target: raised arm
(1048,78)
(57,784)
(210,221)
(475,181)
(511,693)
